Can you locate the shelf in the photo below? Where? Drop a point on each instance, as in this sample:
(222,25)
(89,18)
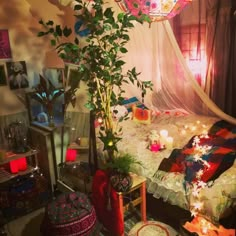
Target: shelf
(10,156)
(5,175)
(76,146)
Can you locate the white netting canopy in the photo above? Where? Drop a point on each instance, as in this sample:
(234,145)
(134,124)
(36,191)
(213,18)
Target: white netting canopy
(154,52)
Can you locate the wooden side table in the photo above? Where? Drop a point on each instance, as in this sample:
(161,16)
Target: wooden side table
(139,182)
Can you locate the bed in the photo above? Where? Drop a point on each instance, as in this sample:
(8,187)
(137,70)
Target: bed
(166,179)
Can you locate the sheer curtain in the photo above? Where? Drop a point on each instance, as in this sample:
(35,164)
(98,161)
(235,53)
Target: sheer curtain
(155,53)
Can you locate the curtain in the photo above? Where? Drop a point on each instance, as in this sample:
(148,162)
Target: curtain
(155,53)
(221,51)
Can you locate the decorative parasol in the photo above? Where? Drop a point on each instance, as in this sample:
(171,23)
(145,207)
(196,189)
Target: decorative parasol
(157,10)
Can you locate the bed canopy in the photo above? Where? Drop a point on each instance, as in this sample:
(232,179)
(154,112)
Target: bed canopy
(154,52)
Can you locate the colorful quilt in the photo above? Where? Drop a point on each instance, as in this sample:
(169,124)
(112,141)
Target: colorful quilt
(204,157)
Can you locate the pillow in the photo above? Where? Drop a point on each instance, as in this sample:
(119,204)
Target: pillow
(119,111)
(141,115)
(133,101)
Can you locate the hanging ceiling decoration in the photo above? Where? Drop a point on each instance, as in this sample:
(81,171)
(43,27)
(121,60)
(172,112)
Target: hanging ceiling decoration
(157,10)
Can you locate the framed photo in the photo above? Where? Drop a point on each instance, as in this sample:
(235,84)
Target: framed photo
(55,76)
(5,49)
(17,74)
(72,79)
(3,76)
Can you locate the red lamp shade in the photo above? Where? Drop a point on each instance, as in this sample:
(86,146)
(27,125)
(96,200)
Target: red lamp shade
(22,164)
(71,154)
(14,166)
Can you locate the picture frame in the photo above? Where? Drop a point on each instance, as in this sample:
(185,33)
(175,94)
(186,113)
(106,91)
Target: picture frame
(55,76)
(72,76)
(17,75)
(3,76)
(5,48)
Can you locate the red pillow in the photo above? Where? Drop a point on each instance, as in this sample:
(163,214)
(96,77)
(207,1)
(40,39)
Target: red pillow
(141,115)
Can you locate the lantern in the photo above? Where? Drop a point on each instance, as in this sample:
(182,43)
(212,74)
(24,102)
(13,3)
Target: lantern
(14,166)
(22,164)
(157,10)
(71,155)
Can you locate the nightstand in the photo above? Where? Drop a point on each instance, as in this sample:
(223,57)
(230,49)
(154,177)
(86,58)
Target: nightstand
(139,182)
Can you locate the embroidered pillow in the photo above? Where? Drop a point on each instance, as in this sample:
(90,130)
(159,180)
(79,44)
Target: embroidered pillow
(141,115)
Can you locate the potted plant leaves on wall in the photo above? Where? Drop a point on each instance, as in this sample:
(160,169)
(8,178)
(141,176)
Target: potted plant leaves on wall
(99,62)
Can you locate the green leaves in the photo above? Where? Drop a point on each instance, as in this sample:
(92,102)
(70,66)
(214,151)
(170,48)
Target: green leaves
(122,163)
(99,60)
(45,92)
(123,50)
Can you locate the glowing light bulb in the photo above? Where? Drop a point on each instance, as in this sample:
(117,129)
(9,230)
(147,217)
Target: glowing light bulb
(99,120)
(110,143)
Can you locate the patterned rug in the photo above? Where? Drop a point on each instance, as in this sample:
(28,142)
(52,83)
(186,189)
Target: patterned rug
(152,228)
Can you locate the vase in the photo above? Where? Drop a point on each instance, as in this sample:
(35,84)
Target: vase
(51,122)
(49,110)
(121,182)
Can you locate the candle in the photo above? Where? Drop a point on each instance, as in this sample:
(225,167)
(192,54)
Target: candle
(169,142)
(164,133)
(163,136)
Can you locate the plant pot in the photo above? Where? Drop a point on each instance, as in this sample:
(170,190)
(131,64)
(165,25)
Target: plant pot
(121,182)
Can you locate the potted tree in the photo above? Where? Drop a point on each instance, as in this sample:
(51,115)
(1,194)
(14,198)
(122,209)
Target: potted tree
(99,62)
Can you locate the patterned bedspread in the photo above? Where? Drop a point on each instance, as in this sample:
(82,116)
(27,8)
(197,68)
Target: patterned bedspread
(215,162)
(212,153)
(220,191)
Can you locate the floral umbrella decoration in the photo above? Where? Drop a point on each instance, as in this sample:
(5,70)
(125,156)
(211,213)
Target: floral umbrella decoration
(157,10)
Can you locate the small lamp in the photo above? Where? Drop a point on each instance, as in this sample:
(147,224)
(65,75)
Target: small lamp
(71,155)
(14,166)
(22,164)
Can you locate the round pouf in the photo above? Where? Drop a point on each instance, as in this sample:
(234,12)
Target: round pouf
(70,214)
(152,228)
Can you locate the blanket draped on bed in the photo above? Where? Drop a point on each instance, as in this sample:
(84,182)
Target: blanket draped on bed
(221,140)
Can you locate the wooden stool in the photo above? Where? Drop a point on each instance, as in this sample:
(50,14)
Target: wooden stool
(139,182)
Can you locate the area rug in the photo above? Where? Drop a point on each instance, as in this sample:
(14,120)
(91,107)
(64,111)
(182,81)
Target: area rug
(152,228)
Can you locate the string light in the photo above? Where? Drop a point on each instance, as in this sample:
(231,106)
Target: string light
(199,151)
